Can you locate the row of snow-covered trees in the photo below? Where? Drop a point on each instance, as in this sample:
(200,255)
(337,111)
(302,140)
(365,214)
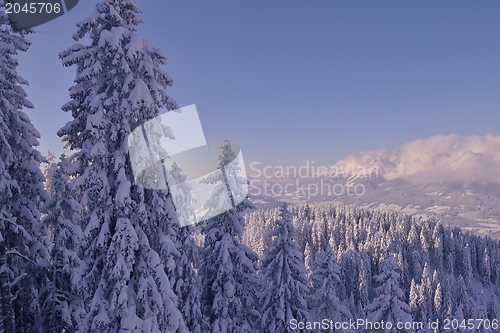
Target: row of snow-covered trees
(92,251)
(24,240)
(436,273)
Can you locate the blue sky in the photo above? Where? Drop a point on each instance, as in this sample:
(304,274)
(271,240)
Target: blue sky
(291,81)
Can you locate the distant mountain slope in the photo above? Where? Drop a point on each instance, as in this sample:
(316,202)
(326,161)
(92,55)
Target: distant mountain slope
(455,178)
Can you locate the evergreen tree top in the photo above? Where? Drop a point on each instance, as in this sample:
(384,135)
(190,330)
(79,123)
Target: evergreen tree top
(119,80)
(108,14)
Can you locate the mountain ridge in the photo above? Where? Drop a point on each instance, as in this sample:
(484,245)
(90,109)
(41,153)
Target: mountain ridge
(453,178)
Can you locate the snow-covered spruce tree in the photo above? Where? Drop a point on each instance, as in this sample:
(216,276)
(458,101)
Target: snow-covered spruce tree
(438,302)
(119,85)
(229,185)
(413,298)
(187,284)
(486,269)
(62,309)
(363,282)
(425,296)
(467,268)
(448,293)
(228,270)
(493,312)
(308,259)
(389,304)
(482,313)
(437,236)
(462,298)
(49,172)
(323,301)
(23,238)
(284,279)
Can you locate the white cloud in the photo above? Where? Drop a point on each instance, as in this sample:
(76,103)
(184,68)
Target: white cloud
(438,158)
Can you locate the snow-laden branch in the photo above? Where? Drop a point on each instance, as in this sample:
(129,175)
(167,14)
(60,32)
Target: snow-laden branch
(25,233)
(15,252)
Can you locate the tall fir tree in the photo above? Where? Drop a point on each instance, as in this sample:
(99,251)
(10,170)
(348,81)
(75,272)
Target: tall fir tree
(425,297)
(413,298)
(228,271)
(363,282)
(187,283)
(482,313)
(493,312)
(62,308)
(389,304)
(448,293)
(308,259)
(24,257)
(486,268)
(127,241)
(467,268)
(462,298)
(438,302)
(284,278)
(323,301)
(229,185)
(49,172)
(438,307)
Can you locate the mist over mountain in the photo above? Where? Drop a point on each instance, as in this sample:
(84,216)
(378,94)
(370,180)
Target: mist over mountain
(452,177)
(440,158)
